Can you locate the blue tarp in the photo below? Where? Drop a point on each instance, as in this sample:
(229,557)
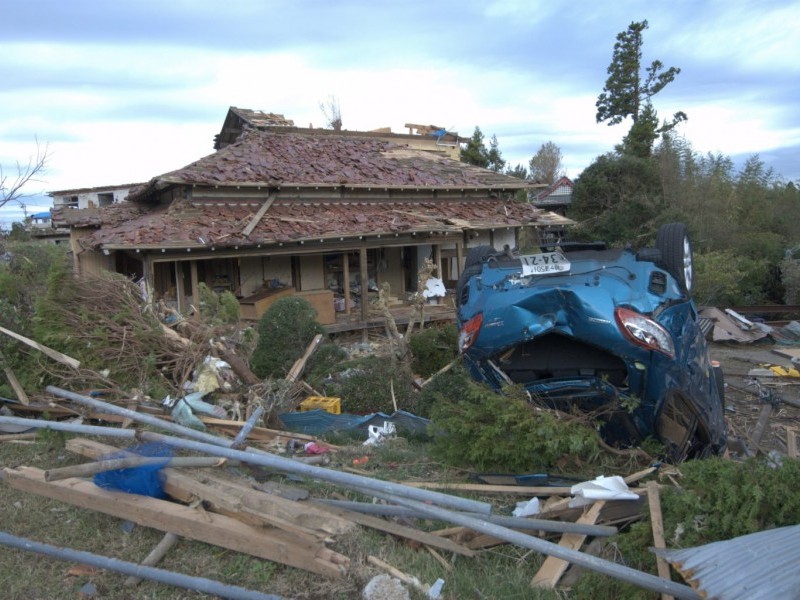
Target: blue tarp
(316,422)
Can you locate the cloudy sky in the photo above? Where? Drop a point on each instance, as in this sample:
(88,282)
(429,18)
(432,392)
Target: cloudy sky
(122,91)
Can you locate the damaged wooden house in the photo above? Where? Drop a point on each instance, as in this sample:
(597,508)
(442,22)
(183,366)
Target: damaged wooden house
(330,215)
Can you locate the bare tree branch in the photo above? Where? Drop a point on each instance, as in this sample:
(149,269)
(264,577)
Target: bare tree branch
(332,112)
(11,189)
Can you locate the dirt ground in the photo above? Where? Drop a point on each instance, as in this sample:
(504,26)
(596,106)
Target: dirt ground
(746,396)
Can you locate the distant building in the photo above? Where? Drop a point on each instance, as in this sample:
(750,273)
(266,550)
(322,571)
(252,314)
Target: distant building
(94,197)
(556,198)
(40,226)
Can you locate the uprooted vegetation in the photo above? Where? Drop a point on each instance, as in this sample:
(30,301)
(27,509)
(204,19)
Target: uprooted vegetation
(135,353)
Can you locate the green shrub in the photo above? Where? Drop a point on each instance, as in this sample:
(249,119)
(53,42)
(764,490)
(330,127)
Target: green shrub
(727,279)
(790,277)
(447,387)
(284,332)
(433,349)
(218,309)
(488,430)
(366,385)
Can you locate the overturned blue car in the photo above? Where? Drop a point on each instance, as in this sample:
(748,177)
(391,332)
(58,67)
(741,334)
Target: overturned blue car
(610,332)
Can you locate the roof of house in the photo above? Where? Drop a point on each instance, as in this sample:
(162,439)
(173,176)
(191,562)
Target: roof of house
(376,187)
(322,157)
(562,187)
(215,224)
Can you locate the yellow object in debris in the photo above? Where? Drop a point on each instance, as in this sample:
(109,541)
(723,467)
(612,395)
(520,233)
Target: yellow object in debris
(329,404)
(783,372)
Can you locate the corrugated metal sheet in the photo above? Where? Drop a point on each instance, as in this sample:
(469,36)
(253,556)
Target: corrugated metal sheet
(758,566)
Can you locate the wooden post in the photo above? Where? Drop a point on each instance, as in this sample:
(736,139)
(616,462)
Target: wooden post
(179,287)
(364,281)
(459,257)
(195,287)
(657,524)
(437,256)
(346,277)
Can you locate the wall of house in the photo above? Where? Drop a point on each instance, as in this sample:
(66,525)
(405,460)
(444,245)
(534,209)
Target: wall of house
(312,275)
(255,272)
(391,270)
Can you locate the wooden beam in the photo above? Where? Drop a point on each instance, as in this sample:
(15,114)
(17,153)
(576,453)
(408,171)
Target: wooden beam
(257,217)
(553,568)
(181,520)
(657,524)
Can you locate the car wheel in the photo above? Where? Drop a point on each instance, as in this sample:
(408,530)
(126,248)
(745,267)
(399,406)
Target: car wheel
(472,266)
(676,253)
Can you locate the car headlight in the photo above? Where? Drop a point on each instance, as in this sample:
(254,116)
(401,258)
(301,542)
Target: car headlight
(469,332)
(644,332)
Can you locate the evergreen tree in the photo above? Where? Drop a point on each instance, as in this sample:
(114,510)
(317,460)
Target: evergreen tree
(475,152)
(496,162)
(628,94)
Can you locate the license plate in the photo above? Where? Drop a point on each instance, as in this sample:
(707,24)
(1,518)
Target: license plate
(544,264)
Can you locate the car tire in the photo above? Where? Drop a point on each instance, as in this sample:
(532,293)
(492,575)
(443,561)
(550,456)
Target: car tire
(676,253)
(473,264)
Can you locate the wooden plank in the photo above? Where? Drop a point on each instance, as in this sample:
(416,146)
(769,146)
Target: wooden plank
(657,524)
(761,426)
(15,384)
(791,442)
(184,521)
(54,354)
(257,217)
(553,568)
(409,533)
(518,490)
(256,507)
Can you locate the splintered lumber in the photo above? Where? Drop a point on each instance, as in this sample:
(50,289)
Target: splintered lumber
(182,520)
(237,500)
(300,363)
(657,523)
(553,568)
(54,354)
